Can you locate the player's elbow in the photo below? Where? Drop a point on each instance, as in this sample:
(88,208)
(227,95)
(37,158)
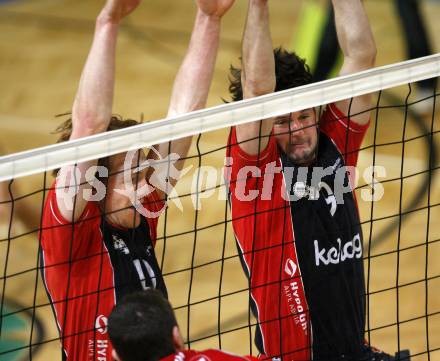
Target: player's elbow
(370,53)
(366,52)
(364,57)
(88,123)
(90,116)
(256,87)
(184,105)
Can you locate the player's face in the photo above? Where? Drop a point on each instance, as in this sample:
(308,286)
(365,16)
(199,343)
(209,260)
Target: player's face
(297,135)
(120,205)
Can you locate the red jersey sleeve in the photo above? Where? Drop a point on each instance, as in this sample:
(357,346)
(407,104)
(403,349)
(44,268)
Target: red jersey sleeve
(347,134)
(155,206)
(63,241)
(241,158)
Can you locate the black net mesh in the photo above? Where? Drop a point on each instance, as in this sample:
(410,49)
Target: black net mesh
(197,254)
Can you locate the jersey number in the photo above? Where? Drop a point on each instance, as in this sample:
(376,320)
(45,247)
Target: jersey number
(151,274)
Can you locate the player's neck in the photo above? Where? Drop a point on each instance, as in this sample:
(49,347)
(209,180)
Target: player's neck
(126,218)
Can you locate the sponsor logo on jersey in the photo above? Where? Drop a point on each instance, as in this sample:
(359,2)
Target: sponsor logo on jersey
(179,356)
(330,199)
(351,249)
(101,324)
(301,190)
(294,300)
(119,244)
(290,267)
(100,352)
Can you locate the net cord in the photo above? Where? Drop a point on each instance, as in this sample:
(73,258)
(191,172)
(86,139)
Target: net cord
(156,132)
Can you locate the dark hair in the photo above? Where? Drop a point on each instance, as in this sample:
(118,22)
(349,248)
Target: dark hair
(116,122)
(290,71)
(140,327)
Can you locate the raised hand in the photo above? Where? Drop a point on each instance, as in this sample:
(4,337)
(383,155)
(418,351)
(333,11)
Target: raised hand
(116,10)
(214,7)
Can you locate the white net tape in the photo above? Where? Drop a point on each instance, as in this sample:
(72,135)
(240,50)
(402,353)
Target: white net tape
(226,115)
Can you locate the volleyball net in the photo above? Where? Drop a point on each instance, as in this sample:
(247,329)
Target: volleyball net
(195,246)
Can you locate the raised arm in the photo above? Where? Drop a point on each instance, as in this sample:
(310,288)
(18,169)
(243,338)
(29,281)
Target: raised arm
(257,74)
(193,80)
(359,50)
(92,108)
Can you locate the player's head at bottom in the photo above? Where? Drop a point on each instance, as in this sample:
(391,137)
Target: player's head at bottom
(143,327)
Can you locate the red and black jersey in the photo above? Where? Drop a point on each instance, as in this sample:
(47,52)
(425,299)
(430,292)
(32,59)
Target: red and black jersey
(300,247)
(206,355)
(87,266)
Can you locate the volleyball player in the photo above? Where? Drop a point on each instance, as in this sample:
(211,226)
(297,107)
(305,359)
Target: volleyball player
(300,239)
(96,251)
(143,327)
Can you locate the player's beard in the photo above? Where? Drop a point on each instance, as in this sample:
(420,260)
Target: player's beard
(305,158)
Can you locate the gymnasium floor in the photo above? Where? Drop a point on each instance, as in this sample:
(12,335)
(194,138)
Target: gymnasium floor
(43,46)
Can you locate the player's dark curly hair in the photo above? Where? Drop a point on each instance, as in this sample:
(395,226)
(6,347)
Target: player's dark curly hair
(116,122)
(140,327)
(290,71)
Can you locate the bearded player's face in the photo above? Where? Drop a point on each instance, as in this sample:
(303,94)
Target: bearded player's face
(297,135)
